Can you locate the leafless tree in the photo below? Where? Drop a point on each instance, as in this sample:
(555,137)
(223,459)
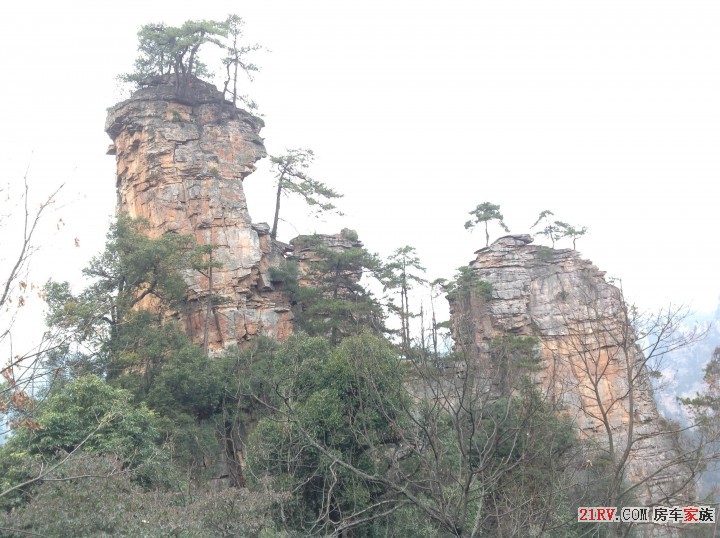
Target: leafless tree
(21,366)
(469,440)
(603,369)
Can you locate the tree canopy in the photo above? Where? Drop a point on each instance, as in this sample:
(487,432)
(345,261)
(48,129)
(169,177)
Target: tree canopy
(133,270)
(166,50)
(336,430)
(175,50)
(292,178)
(485,213)
(401,273)
(235,60)
(336,303)
(556,230)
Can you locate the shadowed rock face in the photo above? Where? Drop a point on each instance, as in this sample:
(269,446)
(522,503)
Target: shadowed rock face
(181,162)
(587,348)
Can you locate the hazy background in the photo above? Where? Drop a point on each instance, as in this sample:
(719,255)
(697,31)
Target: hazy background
(607,113)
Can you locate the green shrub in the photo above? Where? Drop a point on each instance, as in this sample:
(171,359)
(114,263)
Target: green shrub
(466,283)
(545,254)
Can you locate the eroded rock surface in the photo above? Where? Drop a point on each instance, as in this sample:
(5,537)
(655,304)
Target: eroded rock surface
(181,162)
(589,359)
(306,252)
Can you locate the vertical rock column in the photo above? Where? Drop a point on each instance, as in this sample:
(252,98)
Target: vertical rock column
(181,162)
(587,350)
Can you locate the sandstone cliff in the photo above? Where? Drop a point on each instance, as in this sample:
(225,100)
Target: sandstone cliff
(181,162)
(590,363)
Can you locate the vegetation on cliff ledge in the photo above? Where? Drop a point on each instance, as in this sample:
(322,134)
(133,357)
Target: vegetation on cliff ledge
(367,421)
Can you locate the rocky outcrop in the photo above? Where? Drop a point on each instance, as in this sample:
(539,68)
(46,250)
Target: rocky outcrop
(590,363)
(307,251)
(330,299)
(181,162)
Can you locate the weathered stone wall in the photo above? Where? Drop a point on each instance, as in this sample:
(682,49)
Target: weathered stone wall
(589,358)
(181,162)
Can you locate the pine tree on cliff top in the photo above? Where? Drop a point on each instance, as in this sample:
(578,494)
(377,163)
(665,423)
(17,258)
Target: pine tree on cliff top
(292,178)
(175,50)
(484,213)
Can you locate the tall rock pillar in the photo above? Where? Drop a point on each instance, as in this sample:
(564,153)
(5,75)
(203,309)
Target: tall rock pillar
(181,162)
(590,364)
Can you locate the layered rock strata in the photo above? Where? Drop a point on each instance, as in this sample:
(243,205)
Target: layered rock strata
(181,162)
(307,252)
(590,363)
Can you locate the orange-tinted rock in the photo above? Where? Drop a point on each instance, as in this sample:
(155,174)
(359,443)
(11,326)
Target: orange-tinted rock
(589,358)
(181,162)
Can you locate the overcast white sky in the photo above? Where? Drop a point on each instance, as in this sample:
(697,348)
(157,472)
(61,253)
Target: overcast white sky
(606,112)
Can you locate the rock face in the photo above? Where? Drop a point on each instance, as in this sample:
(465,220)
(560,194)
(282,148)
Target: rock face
(590,363)
(181,162)
(327,266)
(305,253)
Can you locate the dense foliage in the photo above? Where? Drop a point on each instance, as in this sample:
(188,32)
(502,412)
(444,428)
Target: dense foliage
(343,429)
(336,431)
(174,51)
(337,303)
(329,432)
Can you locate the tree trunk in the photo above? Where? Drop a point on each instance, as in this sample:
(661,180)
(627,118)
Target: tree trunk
(235,82)
(434,333)
(406,317)
(403,321)
(273,232)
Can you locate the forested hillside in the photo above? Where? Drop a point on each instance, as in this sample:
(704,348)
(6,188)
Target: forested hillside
(213,378)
